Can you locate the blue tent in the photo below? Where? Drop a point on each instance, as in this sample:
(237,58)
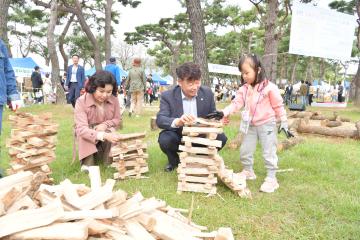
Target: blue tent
(91,71)
(157,79)
(23,67)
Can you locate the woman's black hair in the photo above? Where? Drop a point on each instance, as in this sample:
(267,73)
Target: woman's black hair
(256,64)
(100,79)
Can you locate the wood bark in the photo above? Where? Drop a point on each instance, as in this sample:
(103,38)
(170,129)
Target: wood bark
(62,39)
(55,68)
(198,38)
(4,12)
(108,8)
(271,39)
(335,132)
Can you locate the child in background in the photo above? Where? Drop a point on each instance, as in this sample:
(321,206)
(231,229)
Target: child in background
(262,105)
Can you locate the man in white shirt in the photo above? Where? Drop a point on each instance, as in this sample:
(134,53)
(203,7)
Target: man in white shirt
(75,79)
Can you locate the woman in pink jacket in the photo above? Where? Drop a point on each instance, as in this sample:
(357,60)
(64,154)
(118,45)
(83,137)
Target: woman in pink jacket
(262,106)
(97,116)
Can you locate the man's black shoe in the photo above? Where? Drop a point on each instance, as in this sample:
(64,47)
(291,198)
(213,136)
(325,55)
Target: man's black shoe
(169,168)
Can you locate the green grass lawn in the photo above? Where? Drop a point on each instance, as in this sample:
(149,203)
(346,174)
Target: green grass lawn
(320,199)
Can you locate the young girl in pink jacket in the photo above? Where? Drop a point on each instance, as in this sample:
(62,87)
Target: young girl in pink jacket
(262,106)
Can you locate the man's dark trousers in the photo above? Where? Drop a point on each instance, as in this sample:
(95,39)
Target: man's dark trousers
(169,142)
(74,93)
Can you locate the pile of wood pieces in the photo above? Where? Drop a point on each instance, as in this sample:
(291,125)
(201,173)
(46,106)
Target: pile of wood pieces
(32,143)
(76,212)
(199,160)
(316,123)
(200,163)
(129,156)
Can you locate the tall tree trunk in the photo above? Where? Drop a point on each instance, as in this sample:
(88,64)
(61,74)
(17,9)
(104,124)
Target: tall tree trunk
(293,74)
(62,39)
(55,69)
(322,69)
(198,38)
(108,8)
(4,12)
(85,27)
(271,39)
(173,65)
(356,79)
(309,70)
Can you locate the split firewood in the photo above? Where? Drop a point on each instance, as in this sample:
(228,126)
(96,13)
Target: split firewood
(61,212)
(32,143)
(129,156)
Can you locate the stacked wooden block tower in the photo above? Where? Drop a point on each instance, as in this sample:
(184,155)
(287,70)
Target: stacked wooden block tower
(32,142)
(199,160)
(129,156)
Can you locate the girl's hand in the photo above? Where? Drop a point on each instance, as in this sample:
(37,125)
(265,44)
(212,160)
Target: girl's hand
(225,120)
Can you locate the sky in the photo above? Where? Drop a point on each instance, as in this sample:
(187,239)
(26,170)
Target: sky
(151,11)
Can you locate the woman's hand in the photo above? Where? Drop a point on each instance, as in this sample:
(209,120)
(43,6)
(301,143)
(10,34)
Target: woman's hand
(112,137)
(101,128)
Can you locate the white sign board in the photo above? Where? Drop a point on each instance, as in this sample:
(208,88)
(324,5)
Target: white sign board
(22,72)
(321,32)
(217,68)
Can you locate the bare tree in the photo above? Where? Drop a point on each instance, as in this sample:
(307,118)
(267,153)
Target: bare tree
(124,53)
(198,38)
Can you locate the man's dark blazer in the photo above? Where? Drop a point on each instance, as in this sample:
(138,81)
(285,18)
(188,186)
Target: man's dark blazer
(171,106)
(80,77)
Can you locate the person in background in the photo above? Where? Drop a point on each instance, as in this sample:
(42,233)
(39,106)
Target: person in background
(114,69)
(262,105)
(37,84)
(303,92)
(334,94)
(97,117)
(8,90)
(136,82)
(340,92)
(47,88)
(75,79)
(288,94)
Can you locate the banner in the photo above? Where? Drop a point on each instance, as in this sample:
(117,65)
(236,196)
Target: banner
(321,32)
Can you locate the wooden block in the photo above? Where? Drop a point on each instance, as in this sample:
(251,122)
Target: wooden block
(21,179)
(204,160)
(195,187)
(28,219)
(146,220)
(22,204)
(136,231)
(84,214)
(56,231)
(195,171)
(202,141)
(201,130)
(198,150)
(95,178)
(224,234)
(195,179)
(37,142)
(117,198)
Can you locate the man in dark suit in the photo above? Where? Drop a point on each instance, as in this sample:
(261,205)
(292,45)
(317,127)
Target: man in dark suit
(75,79)
(181,104)
(37,84)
